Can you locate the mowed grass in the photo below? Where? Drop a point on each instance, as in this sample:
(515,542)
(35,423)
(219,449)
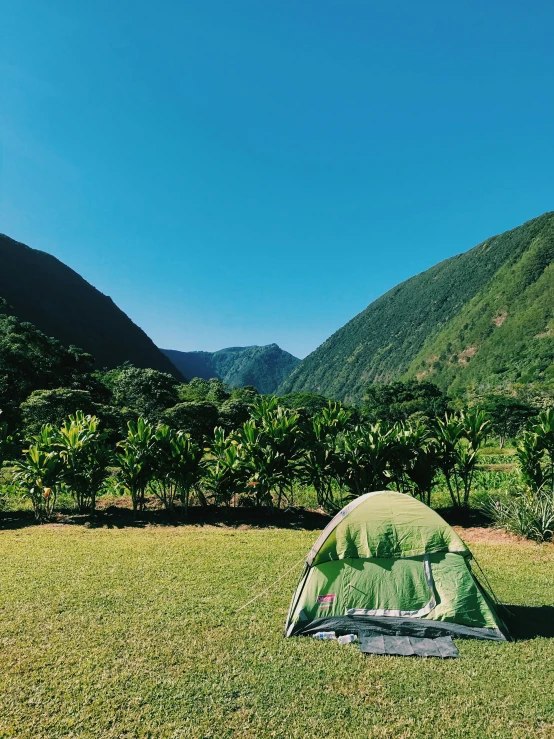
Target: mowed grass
(135,633)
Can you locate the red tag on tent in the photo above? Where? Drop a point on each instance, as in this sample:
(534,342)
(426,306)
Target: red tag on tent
(326,598)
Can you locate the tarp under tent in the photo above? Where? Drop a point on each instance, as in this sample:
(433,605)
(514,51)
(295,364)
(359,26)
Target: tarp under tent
(388,566)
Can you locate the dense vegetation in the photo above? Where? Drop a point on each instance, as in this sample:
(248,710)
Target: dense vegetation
(481,320)
(261,461)
(263,367)
(59,302)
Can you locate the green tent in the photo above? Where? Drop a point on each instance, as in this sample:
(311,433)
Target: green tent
(388,564)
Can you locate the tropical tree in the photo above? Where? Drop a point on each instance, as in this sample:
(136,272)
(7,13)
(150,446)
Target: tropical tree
(364,454)
(459,438)
(224,475)
(320,462)
(530,455)
(38,473)
(475,426)
(30,360)
(399,400)
(507,415)
(271,447)
(7,442)
(85,456)
(197,418)
(136,460)
(146,392)
(53,407)
(544,429)
(420,458)
(535,452)
(176,466)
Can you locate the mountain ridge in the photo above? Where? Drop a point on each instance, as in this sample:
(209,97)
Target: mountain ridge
(411,330)
(265,367)
(44,291)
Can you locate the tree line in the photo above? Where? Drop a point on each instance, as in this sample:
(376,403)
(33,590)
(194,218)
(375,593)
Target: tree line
(260,462)
(68,426)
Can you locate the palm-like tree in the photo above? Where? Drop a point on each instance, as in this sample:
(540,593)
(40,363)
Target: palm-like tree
(136,460)
(85,456)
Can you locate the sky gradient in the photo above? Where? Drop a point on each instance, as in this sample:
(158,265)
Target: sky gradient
(236,173)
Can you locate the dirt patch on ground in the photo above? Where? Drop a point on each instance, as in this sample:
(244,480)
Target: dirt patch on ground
(485,535)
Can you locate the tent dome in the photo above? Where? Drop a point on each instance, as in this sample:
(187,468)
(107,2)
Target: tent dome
(389,564)
(385,524)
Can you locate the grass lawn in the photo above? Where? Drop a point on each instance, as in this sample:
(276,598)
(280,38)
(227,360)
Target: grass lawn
(134,633)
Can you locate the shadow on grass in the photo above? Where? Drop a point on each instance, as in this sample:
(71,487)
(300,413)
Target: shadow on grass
(528,622)
(119,517)
(466,517)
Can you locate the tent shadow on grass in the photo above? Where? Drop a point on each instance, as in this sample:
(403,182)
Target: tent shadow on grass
(528,622)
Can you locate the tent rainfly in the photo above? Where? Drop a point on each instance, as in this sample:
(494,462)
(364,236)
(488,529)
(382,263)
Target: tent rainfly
(389,565)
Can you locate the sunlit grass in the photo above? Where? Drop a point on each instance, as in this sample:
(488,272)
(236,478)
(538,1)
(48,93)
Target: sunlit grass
(135,633)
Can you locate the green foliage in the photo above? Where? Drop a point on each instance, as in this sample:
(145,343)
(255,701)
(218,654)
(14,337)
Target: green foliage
(321,463)
(195,418)
(459,438)
(482,318)
(535,452)
(7,443)
(400,400)
(417,457)
(147,392)
(176,466)
(233,413)
(198,390)
(224,474)
(136,460)
(270,445)
(30,361)
(85,456)
(53,407)
(365,453)
(508,415)
(39,473)
(308,403)
(527,514)
(263,367)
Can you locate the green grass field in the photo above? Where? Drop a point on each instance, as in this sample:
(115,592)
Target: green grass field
(134,633)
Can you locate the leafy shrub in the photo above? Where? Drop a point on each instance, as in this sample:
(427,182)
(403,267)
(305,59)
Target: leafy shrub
(195,418)
(176,466)
(85,457)
(136,461)
(535,452)
(527,514)
(38,474)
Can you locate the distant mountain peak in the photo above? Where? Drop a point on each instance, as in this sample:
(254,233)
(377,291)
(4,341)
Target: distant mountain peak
(265,367)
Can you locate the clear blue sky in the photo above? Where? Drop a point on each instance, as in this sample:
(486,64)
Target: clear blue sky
(245,172)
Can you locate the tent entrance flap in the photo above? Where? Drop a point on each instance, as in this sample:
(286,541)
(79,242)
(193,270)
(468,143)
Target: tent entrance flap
(398,612)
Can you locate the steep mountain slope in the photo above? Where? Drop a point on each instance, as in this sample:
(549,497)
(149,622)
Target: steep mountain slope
(265,367)
(58,301)
(485,317)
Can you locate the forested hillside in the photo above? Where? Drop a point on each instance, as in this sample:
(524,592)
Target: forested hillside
(264,367)
(47,293)
(485,317)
